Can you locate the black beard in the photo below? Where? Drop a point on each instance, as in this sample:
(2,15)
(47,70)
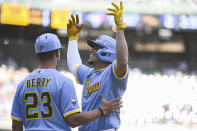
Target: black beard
(90,63)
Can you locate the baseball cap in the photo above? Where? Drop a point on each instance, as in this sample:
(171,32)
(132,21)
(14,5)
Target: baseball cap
(47,42)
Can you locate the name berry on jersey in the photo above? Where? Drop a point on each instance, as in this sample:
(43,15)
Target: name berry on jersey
(38,82)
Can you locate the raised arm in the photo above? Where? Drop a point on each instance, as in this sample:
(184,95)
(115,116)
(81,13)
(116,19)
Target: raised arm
(73,57)
(121,44)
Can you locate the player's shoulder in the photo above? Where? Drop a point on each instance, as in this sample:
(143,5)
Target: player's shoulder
(57,74)
(84,68)
(64,78)
(60,76)
(109,67)
(49,72)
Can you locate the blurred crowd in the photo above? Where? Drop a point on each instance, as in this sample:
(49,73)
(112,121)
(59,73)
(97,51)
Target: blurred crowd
(149,99)
(161,99)
(9,79)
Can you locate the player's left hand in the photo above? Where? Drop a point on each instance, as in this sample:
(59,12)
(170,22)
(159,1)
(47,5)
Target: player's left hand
(118,15)
(111,105)
(73,28)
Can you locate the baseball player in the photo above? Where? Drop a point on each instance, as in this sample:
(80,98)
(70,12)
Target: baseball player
(46,100)
(109,73)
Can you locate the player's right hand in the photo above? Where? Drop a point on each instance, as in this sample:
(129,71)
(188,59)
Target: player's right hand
(110,106)
(73,28)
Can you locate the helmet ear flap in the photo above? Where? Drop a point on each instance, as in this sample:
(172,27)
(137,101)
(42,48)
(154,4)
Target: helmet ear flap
(105,54)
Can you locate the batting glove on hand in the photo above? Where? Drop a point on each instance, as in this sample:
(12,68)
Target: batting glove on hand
(118,15)
(73,28)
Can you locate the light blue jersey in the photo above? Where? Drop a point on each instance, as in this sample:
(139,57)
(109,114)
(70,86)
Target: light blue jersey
(106,82)
(43,99)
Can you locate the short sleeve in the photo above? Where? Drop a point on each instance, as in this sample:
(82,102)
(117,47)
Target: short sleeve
(69,101)
(80,73)
(114,72)
(120,82)
(16,113)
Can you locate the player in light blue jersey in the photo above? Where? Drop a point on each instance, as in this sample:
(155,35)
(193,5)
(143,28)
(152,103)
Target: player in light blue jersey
(109,72)
(46,99)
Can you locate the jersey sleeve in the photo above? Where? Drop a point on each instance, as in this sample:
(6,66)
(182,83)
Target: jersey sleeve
(114,72)
(16,113)
(119,81)
(80,73)
(69,101)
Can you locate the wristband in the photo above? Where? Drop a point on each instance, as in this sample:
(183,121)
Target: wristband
(102,114)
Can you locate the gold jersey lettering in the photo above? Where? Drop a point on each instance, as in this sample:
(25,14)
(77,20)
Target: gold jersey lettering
(43,81)
(38,82)
(33,83)
(93,88)
(48,80)
(86,86)
(28,83)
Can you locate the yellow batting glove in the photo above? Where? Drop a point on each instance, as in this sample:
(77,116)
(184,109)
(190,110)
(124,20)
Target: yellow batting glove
(118,15)
(73,28)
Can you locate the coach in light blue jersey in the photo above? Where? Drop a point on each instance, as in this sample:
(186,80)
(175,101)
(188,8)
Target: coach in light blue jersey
(46,99)
(108,73)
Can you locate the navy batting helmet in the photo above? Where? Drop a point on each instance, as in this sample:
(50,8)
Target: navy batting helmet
(108,50)
(47,42)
